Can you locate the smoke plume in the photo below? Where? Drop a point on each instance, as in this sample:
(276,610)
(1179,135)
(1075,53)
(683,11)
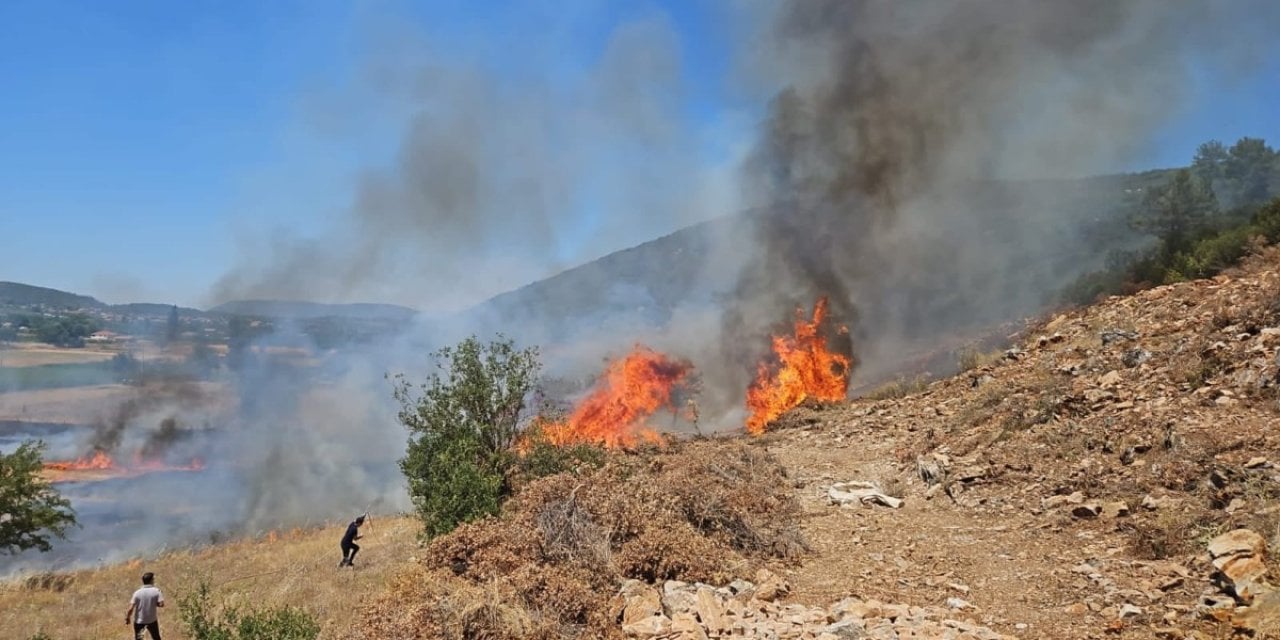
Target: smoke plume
(503,174)
(877,166)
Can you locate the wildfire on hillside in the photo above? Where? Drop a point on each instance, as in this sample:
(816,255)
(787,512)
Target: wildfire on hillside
(805,368)
(101,466)
(616,411)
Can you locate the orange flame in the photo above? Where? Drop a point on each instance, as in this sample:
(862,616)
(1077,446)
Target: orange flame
(102,466)
(631,390)
(98,461)
(807,370)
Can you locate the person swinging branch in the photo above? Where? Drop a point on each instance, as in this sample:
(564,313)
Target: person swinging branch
(349,546)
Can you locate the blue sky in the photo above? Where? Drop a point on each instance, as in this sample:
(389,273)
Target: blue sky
(141,141)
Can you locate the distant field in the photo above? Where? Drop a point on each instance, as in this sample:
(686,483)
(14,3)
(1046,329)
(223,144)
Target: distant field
(56,376)
(35,356)
(82,405)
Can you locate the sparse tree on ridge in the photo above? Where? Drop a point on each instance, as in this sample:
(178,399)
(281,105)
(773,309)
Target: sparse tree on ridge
(1249,168)
(1177,210)
(31,510)
(171,329)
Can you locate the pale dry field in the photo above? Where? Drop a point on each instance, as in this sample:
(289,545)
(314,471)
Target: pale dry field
(82,405)
(37,355)
(296,568)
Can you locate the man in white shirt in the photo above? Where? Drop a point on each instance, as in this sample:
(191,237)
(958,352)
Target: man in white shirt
(143,608)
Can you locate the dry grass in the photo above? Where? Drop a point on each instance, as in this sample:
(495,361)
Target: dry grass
(899,388)
(297,568)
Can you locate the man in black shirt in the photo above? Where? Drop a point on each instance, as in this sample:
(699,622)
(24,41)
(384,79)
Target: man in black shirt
(349,546)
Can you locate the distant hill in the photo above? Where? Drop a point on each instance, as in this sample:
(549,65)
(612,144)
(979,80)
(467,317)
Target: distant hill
(153,309)
(646,283)
(1084,219)
(298,310)
(17,294)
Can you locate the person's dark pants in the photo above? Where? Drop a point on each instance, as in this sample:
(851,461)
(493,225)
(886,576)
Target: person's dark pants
(349,551)
(152,628)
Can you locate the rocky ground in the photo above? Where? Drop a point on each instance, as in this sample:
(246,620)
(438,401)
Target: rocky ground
(1069,487)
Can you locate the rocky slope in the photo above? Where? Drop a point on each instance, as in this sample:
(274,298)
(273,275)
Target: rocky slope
(1071,487)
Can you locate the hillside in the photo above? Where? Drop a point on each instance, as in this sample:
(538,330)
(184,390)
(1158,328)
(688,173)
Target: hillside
(1075,225)
(299,310)
(1070,488)
(17,294)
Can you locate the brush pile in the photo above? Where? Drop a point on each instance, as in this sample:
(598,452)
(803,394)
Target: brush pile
(552,564)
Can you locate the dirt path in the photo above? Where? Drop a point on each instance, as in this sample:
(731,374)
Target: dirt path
(1025,575)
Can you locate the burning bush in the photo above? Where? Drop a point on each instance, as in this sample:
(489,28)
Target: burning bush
(550,564)
(806,368)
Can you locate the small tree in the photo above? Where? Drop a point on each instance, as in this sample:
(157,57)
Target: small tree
(1177,210)
(172,326)
(463,423)
(31,510)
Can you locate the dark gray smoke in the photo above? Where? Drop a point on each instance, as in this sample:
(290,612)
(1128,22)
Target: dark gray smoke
(878,163)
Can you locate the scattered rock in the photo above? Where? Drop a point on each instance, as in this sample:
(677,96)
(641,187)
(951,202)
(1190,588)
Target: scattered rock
(700,612)
(1085,511)
(1110,336)
(846,493)
(1152,503)
(1109,380)
(1129,611)
(1257,462)
(1134,357)
(1057,501)
(1115,509)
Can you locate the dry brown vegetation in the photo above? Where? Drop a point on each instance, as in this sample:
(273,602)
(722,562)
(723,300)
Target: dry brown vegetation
(551,564)
(297,568)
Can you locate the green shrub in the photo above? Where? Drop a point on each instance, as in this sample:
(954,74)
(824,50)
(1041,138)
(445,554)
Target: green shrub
(204,622)
(463,423)
(541,458)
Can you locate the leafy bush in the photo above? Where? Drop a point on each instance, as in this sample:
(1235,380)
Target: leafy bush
(33,510)
(203,622)
(463,424)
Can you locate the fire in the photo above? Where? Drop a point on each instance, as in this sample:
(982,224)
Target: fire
(614,414)
(101,466)
(98,461)
(807,369)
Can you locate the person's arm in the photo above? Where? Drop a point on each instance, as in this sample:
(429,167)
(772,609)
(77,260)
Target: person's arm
(128,615)
(160,601)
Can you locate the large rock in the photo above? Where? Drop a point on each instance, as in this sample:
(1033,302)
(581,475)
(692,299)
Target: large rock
(710,612)
(1262,617)
(770,587)
(639,601)
(1240,556)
